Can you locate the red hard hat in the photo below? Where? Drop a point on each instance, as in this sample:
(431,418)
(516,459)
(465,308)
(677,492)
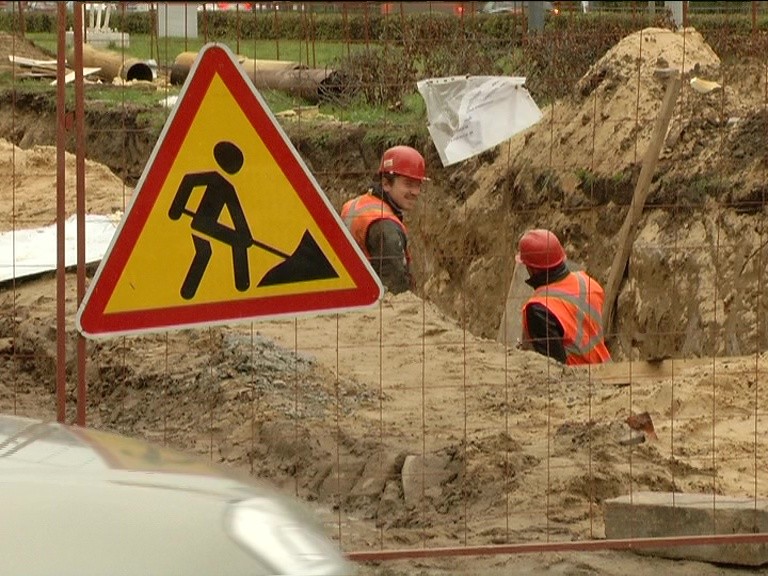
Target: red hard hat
(540,249)
(404,161)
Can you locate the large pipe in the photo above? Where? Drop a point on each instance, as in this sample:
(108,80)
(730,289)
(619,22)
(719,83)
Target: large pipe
(180,67)
(183,63)
(251,65)
(113,65)
(294,78)
(311,84)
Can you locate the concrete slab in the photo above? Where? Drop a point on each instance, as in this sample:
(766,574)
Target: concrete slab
(374,477)
(177,19)
(101,38)
(32,252)
(338,480)
(667,514)
(423,477)
(511,325)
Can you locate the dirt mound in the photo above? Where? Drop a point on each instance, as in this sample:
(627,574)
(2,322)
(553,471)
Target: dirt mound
(606,125)
(702,234)
(33,172)
(21,47)
(436,430)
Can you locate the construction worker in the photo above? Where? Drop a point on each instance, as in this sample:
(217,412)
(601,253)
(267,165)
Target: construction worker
(375,218)
(563,318)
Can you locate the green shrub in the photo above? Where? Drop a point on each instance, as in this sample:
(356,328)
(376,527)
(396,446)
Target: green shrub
(392,52)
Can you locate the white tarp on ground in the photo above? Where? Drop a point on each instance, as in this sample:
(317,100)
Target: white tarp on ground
(470,114)
(33,251)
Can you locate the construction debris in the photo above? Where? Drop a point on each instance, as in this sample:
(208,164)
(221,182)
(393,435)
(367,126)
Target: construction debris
(44,69)
(113,65)
(642,423)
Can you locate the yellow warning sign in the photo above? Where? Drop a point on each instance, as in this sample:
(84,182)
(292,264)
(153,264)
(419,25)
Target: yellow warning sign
(227,222)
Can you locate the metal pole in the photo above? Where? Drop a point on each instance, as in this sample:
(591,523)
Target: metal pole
(61,284)
(546,547)
(80,204)
(535,16)
(677,12)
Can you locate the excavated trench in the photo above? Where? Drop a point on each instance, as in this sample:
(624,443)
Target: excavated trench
(673,302)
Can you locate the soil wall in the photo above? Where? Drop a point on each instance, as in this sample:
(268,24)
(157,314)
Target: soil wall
(696,274)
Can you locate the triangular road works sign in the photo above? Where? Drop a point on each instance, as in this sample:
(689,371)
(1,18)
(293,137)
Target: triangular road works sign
(226,224)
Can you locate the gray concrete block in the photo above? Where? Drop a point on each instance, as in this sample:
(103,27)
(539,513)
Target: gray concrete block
(375,475)
(667,514)
(338,480)
(101,39)
(423,476)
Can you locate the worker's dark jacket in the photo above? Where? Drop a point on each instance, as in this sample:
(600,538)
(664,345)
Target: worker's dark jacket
(376,223)
(563,318)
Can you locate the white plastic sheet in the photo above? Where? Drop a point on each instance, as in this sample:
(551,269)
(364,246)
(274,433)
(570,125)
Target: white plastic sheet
(470,114)
(32,251)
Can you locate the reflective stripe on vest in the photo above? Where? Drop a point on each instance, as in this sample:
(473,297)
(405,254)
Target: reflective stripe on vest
(583,339)
(359,213)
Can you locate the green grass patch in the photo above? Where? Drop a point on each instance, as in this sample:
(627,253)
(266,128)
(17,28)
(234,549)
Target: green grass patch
(411,110)
(116,96)
(408,110)
(165,50)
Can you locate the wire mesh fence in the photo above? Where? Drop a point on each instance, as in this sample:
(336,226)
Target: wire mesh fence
(418,426)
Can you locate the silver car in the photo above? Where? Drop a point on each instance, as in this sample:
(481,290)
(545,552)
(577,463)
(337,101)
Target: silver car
(77,501)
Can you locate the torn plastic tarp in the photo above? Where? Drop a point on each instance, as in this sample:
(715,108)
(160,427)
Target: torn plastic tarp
(470,114)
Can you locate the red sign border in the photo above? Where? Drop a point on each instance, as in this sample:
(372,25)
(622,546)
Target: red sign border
(216,59)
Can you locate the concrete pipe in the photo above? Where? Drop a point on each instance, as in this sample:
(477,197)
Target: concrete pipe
(183,63)
(112,64)
(180,67)
(312,84)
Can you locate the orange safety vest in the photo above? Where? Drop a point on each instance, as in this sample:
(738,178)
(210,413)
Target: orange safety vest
(577,303)
(359,213)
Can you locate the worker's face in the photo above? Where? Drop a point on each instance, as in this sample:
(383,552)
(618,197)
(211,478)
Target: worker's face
(403,190)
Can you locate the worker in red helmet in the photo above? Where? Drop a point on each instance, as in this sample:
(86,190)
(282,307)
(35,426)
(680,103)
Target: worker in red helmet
(563,318)
(375,218)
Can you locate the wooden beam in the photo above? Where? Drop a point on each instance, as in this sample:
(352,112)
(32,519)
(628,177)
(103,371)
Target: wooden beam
(511,326)
(627,233)
(639,371)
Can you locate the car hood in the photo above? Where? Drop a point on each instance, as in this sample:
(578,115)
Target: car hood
(49,451)
(81,501)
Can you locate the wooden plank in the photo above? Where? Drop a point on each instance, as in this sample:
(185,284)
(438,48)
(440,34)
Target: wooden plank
(32,63)
(70,76)
(625,373)
(511,325)
(35,75)
(627,233)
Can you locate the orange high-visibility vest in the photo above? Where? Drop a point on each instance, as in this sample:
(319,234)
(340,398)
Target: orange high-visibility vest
(577,302)
(359,213)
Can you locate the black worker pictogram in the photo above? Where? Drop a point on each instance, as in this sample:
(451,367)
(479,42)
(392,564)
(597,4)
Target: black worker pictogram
(307,262)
